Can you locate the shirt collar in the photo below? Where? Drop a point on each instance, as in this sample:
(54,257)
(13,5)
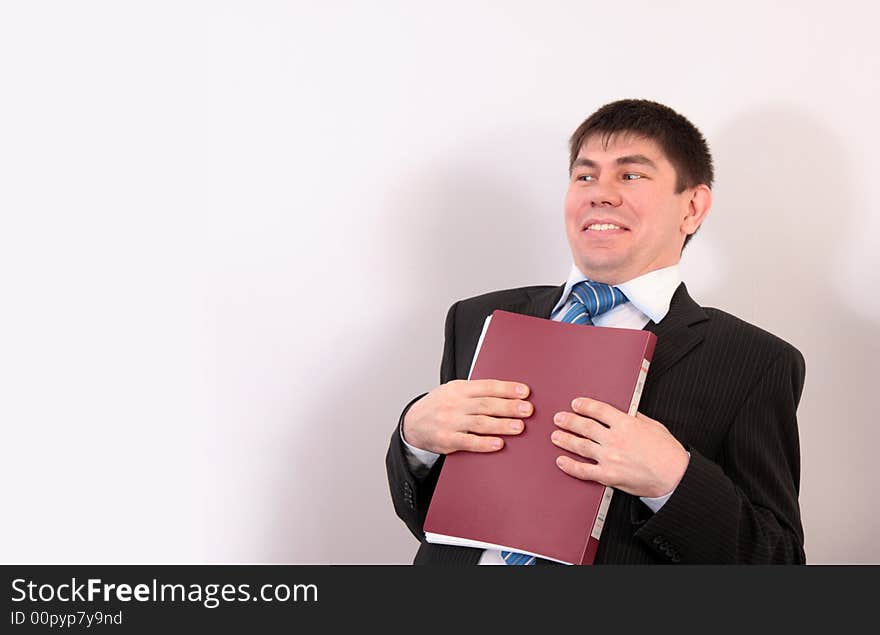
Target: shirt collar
(651,293)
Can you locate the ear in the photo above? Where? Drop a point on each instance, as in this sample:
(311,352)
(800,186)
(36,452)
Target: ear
(698,206)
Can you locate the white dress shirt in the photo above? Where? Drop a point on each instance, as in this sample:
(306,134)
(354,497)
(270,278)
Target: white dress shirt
(649,298)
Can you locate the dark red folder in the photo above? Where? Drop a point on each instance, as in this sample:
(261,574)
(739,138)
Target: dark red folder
(517,498)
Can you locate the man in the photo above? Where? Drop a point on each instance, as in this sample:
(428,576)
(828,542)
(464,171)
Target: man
(709,469)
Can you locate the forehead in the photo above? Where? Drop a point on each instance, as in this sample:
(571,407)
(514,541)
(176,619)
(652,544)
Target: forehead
(598,147)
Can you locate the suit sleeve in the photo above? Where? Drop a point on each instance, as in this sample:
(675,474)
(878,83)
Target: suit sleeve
(411,493)
(743,509)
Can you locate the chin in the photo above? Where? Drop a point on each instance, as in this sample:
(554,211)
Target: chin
(609,271)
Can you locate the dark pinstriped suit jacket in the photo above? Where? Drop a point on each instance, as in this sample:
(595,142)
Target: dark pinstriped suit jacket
(726,389)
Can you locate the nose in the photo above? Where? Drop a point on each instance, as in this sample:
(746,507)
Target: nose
(604,194)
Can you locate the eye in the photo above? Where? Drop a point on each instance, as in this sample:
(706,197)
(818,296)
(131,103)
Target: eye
(585,177)
(630,176)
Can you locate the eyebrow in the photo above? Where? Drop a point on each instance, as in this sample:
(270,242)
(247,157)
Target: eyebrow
(624,160)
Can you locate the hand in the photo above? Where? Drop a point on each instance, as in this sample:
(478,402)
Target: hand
(456,416)
(637,455)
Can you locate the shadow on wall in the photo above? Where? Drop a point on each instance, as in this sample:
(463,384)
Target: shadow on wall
(458,226)
(783,213)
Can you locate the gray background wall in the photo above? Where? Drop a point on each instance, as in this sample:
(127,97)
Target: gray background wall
(229,233)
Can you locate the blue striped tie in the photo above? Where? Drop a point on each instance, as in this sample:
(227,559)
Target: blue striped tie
(588,300)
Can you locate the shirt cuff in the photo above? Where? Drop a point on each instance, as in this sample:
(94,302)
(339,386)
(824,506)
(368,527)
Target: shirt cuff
(656,503)
(419,460)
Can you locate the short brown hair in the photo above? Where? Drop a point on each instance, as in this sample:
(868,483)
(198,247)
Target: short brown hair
(682,144)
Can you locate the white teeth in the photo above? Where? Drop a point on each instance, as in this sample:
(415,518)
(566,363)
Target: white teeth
(603,226)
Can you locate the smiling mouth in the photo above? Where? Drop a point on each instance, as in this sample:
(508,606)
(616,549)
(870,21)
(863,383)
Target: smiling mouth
(599,228)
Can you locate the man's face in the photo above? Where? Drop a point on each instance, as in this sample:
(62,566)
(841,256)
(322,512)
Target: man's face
(630,184)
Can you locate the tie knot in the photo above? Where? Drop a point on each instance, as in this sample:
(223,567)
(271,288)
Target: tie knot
(591,299)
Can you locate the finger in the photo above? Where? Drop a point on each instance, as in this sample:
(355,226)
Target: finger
(579,469)
(476,443)
(498,407)
(582,426)
(495,388)
(481,424)
(599,410)
(576,444)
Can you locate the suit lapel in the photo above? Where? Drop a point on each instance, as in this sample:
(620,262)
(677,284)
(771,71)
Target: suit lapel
(542,301)
(675,338)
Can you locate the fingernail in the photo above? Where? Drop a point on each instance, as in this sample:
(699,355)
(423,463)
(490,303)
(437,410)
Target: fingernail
(496,444)
(558,417)
(521,390)
(577,403)
(560,461)
(516,426)
(524,408)
(556,436)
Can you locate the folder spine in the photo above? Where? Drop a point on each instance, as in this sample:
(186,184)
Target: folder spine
(640,385)
(599,523)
